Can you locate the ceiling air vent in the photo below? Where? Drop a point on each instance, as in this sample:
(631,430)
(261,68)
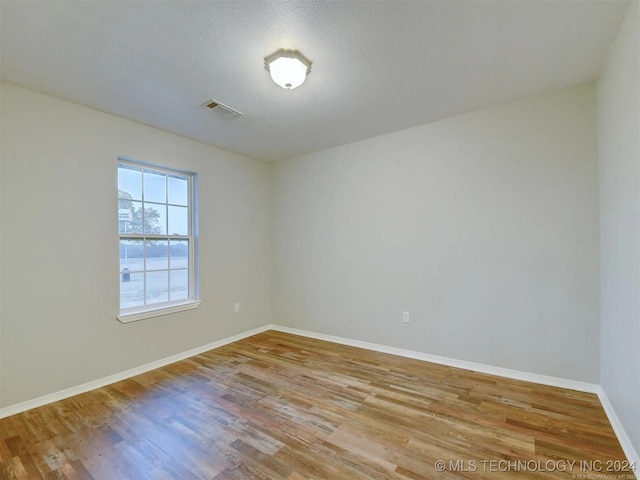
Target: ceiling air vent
(222,109)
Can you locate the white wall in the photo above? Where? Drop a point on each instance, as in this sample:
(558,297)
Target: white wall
(618,101)
(60,248)
(483,226)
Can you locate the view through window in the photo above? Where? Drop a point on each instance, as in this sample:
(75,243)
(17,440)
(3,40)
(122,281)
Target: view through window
(155,218)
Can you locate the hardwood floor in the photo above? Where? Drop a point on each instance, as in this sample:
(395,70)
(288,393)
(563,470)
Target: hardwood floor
(279,406)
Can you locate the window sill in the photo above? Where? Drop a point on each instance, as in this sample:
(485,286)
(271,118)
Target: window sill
(134,316)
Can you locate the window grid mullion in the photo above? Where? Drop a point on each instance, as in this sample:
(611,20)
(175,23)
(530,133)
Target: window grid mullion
(144,267)
(152,236)
(169,266)
(166,201)
(143,202)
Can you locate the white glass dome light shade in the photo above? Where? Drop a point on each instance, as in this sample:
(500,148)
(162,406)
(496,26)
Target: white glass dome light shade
(289,73)
(288,68)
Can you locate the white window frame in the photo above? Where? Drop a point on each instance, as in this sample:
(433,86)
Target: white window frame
(154,310)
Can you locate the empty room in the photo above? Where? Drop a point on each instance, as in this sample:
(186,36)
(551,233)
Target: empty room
(320,240)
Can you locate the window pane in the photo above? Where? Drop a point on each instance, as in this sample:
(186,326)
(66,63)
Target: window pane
(179,284)
(130,219)
(179,254)
(131,255)
(129,183)
(157,287)
(155,218)
(131,290)
(178,220)
(155,187)
(157,254)
(178,191)
(125,217)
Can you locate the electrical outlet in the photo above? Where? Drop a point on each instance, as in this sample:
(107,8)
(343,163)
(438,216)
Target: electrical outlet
(405,317)
(236,308)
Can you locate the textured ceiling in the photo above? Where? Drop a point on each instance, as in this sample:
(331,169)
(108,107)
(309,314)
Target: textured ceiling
(377,66)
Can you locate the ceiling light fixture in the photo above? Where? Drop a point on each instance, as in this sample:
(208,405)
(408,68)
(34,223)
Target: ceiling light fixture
(288,68)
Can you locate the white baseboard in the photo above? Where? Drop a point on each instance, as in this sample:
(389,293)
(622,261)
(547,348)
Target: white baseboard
(621,433)
(450,362)
(85,387)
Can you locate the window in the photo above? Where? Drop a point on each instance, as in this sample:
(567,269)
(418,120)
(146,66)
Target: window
(156,224)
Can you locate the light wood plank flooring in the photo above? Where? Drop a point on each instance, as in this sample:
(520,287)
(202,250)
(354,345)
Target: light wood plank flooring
(280,406)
